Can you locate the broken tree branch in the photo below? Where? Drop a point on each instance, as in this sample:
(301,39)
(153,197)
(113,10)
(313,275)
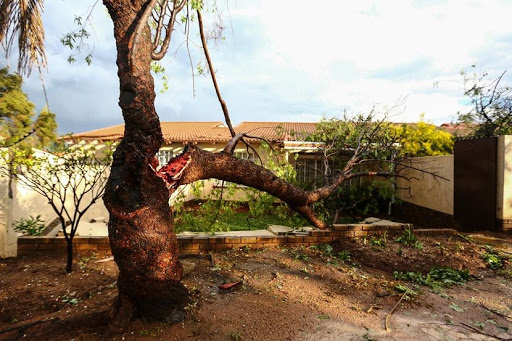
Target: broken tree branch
(386,321)
(212,73)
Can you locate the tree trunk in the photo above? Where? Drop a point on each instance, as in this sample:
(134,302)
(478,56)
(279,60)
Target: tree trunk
(141,233)
(69,262)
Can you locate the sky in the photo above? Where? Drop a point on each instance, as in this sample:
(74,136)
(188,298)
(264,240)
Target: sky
(283,62)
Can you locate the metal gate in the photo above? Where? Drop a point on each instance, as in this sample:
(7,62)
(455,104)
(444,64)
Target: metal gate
(475,184)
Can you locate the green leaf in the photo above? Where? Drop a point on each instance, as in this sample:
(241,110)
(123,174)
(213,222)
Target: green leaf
(455,307)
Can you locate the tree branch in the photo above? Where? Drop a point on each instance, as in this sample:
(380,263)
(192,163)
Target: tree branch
(212,73)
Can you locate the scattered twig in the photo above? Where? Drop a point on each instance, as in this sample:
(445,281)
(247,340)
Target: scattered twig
(386,322)
(373,306)
(24,327)
(476,330)
(469,327)
(495,312)
(465,238)
(104,260)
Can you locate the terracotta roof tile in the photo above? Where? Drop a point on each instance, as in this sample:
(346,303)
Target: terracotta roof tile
(210,131)
(172,131)
(277,131)
(459,129)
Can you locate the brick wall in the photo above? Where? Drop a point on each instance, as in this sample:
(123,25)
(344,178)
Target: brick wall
(197,243)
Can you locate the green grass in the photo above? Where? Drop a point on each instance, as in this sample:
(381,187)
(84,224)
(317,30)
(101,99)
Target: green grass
(233,221)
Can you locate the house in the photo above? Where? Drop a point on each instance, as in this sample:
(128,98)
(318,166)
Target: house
(286,137)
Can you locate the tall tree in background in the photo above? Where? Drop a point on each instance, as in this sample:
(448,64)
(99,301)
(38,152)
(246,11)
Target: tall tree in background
(492,104)
(17,125)
(18,132)
(141,231)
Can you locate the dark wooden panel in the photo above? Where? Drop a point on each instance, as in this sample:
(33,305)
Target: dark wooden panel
(475,176)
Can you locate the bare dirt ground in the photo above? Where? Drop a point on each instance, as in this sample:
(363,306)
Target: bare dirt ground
(285,294)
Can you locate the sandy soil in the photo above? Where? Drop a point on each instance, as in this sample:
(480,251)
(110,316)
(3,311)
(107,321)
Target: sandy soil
(285,294)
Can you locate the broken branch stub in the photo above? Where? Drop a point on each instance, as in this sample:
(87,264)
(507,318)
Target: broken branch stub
(171,172)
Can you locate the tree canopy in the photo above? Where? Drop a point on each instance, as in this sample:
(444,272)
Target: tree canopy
(17,125)
(491,102)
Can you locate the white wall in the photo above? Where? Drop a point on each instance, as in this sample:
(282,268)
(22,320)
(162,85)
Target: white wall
(426,190)
(504,180)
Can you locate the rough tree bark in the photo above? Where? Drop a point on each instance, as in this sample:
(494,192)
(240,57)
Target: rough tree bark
(140,228)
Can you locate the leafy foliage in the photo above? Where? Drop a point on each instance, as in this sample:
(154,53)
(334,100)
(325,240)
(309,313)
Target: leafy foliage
(423,139)
(22,20)
(33,226)
(492,258)
(409,239)
(435,278)
(381,145)
(491,102)
(76,40)
(16,117)
(379,241)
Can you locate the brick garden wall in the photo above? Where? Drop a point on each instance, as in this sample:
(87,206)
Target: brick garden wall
(197,243)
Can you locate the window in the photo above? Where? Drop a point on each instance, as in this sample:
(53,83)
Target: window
(246,156)
(163,156)
(309,170)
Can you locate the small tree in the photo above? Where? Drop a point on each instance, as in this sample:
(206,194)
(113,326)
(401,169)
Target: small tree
(71,182)
(492,104)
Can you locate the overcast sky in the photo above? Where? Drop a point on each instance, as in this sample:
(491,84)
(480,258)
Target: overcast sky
(292,61)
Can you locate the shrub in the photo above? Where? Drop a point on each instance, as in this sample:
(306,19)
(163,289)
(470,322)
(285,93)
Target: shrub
(31,226)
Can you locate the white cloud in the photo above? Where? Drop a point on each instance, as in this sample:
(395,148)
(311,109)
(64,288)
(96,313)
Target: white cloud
(297,61)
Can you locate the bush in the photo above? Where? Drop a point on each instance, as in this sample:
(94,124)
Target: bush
(492,258)
(31,226)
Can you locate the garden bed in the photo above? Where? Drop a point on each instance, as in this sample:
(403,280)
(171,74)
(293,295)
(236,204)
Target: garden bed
(342,290)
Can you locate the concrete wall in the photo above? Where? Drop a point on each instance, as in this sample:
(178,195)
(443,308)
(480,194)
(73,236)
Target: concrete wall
(425,190)
(504,182)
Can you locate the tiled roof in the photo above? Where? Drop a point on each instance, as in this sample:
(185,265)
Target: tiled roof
(210,131)
(277,131)
(195,132)
(458,129)
(112,133)
(172,131)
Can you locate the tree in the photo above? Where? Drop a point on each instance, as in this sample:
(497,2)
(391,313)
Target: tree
(18,132)
(141,233)
(71,183)
(492,104)
(423,139)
